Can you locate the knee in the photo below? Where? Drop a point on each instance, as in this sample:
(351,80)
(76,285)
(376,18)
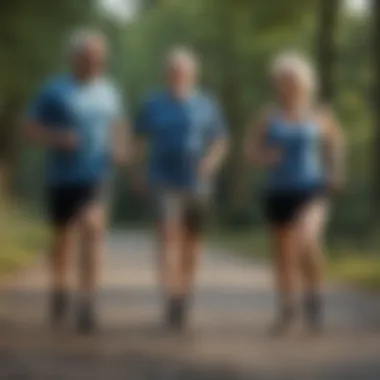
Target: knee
(194,220)
(94,225)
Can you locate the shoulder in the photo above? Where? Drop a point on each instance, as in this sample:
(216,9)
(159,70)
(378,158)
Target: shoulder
(109,87)
(326,120)
(153,98)
(265,115)
(207,98)
(52,91)
(207,103)
(54,85)
(324,112)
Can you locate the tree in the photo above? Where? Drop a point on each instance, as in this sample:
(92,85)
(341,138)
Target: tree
(31,40)
(376,104)
(328,20)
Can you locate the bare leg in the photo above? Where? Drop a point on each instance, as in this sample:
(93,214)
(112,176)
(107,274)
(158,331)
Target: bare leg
(61,249)
(311,225)
(92,230)
(285,254)
(170,235)
(62,244)
(191,246)
(189,258)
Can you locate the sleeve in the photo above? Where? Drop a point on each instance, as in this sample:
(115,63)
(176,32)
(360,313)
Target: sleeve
(119,108)
(41,107)
(143,123)
(218,126)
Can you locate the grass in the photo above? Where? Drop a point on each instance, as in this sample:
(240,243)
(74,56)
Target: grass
(360,271)
(21,239)
(357,266)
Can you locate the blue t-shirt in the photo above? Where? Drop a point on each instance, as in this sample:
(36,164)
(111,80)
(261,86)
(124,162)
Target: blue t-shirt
(179,132)
(89,109)
(299,144)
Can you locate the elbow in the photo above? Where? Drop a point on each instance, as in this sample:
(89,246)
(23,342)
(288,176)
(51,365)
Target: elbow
(249,155)
(252,158)
(27,130)
(30,132)
(225,148)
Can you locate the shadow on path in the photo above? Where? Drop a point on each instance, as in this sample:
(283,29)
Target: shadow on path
(227,339)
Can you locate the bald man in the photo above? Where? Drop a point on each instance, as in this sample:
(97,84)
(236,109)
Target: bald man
(78,118)
(187,136)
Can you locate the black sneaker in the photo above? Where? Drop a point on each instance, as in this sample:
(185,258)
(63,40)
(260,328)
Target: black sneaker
(59,303)
(86,317)
(313,311)
(176,313)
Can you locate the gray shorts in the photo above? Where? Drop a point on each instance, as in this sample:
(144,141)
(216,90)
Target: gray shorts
(182,207)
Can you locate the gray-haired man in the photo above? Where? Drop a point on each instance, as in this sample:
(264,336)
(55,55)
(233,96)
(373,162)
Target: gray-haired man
(78,118)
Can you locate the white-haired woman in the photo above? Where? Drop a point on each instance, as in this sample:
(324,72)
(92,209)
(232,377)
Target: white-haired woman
(300,145)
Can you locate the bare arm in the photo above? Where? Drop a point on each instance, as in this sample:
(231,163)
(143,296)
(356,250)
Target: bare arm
(138,162)
(254,147)
(215,156)
(334,150)
(254,140)
(48,137)
(121,142)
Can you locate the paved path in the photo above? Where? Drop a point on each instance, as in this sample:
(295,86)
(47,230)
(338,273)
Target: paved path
(228,338)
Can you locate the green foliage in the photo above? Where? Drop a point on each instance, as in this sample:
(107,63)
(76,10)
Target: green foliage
(235,40)
(21,238)
(32,39)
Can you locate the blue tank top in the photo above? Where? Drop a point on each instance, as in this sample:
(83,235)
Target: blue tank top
(300,166)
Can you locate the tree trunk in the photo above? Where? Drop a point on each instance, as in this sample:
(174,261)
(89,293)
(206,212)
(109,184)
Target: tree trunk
(376,106)
(230,97)
(328,20)
(8,145)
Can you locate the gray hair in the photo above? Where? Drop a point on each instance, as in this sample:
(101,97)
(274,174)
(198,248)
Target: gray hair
(183,56)
(294,63)
(79,39)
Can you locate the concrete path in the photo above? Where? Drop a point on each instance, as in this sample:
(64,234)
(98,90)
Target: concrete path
(228,340)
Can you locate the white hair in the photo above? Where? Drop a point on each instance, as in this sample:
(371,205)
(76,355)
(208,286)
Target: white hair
(182,56)
(296,64)
(79,39)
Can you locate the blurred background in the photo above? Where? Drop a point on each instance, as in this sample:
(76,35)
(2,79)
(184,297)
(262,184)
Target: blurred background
(235,40)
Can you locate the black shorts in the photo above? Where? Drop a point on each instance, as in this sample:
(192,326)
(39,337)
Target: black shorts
(66,201)
(283,207)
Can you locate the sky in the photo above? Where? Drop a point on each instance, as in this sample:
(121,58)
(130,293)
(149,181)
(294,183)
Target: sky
(358,5)
(124,9)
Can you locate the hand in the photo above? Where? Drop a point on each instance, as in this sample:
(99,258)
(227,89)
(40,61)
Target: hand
(266,157)
(205,170)
(120,157)
(66,140)
(271,157)
(334,186)
(139,184)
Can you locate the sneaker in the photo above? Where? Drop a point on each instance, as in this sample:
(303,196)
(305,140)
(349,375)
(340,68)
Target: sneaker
(287,323)
(313,312)
(86,317)
(59,303)
(176,313)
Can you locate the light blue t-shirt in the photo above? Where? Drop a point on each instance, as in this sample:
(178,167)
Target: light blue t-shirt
(179,132)
(89,109)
